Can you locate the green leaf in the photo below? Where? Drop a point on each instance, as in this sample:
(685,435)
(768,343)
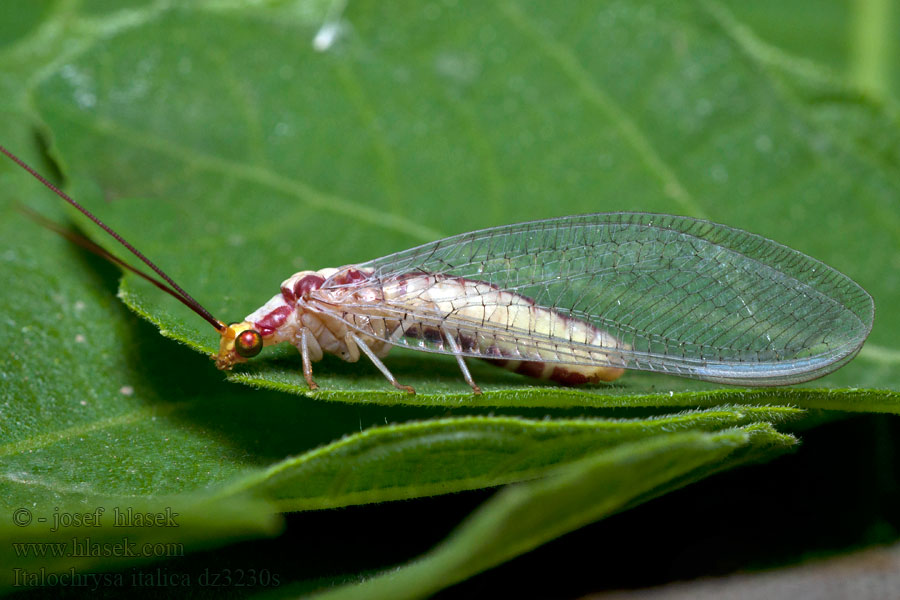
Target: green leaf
(520,518)
(855,40)
(224,145)
(438,456)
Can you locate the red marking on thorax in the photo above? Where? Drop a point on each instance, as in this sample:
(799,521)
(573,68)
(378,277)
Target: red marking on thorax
(272,321)
(350,276)
(288,295)
(302,288)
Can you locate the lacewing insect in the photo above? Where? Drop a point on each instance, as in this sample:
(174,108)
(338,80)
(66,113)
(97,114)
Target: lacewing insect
(572,299)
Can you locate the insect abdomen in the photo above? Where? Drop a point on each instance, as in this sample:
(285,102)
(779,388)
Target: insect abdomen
(464,303)
(560,373)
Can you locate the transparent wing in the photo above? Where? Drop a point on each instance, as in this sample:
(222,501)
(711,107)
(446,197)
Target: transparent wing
(677,295)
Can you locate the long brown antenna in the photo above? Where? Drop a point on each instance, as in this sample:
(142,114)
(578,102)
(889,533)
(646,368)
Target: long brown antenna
(175,289)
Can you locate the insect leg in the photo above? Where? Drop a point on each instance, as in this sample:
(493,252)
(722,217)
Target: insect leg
(307,364)
(377,362)
(462,363)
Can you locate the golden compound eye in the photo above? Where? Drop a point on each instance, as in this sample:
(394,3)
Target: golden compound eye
(248,343)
